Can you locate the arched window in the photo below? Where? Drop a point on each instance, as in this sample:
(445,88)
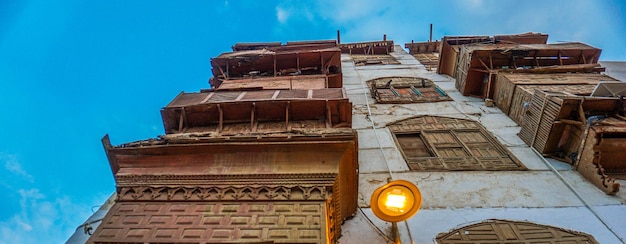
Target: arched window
(406,90)
(505,231)
(432,143)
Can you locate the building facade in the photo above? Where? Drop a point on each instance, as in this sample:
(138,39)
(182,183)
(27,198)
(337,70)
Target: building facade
(292,139)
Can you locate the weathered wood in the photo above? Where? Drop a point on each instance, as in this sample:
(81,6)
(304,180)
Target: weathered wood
(220,126)
(505,57)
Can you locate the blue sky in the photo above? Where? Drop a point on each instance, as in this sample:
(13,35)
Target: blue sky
(73,71)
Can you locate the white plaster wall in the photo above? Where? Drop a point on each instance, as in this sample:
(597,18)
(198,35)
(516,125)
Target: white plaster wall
(455,199)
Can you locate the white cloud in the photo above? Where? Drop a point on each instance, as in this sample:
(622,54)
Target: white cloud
(282,15)
(42,219)
(12,165)
(34,216)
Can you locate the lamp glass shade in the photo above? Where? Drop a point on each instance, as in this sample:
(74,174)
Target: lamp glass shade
(396,201)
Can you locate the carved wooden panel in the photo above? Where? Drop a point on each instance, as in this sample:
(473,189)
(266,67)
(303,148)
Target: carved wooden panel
(367,48)
(223,193)
(504,231)
(362,59)
(214,222)
(406,90)
(429,60)
(431,143)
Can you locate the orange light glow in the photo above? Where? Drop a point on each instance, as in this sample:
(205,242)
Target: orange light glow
(396,201)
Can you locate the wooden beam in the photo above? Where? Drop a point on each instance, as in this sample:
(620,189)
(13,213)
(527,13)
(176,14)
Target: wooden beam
(570,122)
(480,70)
(582,146)
(581,112)
(252,117)
(241,95)
(429,145)
(483,63)
(181,120)
(220,125)
(327,64)
(582,55)
(543,107)
(489,80)
(514,62)
(329,121)
(206,99)
(322,62)
(298,61)
(463,145)
(222,71)
(287,116)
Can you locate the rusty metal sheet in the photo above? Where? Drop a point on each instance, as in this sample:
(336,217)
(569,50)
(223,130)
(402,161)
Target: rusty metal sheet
(506,231)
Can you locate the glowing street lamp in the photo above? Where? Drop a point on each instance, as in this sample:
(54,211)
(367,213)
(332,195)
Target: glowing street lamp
(396,201)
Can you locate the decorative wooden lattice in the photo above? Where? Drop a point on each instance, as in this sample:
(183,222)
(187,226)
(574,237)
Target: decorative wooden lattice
(505,231)
(213,222)
(431,143)
(406,90)
(362,59)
